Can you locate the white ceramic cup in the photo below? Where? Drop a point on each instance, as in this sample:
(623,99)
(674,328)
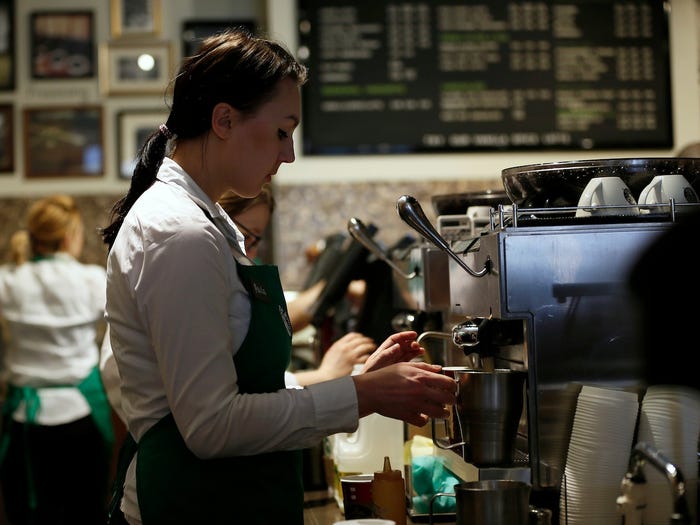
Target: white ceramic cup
(663,188)
(602,194)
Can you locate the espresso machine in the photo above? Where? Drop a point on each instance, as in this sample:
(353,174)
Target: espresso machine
(545,291)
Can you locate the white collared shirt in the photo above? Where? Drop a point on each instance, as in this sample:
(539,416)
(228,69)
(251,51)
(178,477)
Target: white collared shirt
(177,313)
(52,307)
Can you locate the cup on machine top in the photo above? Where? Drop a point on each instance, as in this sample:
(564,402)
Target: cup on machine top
(606,196)
(662,189)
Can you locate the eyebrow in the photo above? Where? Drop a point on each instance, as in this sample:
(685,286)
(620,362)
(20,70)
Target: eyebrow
(294,118)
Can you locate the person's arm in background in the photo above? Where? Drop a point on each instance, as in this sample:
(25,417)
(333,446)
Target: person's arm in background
(300,308)
(340,358)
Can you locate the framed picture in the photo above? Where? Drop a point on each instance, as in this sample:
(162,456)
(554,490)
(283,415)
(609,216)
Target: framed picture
(194,31)
(63,141)
(7,144)
(7,45)
(62,45)
(134,128)
(131,68)
(135,18)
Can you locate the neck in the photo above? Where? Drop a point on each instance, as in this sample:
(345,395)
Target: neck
(195,157)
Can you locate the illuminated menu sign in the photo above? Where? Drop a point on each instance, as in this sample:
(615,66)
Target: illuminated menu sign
(449,76)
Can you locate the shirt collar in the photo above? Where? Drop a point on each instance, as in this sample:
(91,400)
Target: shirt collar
(172,173)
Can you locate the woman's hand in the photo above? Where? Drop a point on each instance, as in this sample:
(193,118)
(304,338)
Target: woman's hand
(412,392)
(396,348)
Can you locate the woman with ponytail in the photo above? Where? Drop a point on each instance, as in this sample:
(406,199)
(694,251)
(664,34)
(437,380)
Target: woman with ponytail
(56,435)
(201,335)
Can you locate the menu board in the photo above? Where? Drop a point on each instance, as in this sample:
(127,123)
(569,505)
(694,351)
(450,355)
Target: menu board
(402,76)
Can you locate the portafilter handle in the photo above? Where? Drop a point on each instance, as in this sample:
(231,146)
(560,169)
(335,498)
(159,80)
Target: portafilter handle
(467,333)
(412,214)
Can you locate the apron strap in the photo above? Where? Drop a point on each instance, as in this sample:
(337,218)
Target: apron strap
(32,404)
(126,454)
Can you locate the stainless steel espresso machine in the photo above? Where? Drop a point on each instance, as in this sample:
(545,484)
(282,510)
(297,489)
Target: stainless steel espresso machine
(544,290)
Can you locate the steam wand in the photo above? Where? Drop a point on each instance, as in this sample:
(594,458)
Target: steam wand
(412,214)
(633,495)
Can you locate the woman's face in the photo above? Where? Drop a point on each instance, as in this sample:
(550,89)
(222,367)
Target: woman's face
(260,143)
(252,223)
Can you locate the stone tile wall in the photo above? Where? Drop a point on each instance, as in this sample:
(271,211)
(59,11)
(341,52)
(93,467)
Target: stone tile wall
(305,214)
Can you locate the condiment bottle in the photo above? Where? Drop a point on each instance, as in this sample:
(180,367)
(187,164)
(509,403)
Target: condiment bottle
(389,494)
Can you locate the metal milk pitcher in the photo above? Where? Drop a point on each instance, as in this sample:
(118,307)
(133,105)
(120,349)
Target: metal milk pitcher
(484,421)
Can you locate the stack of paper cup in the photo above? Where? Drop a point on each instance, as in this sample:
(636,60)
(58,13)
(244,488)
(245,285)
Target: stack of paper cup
(670,422)
(598,456)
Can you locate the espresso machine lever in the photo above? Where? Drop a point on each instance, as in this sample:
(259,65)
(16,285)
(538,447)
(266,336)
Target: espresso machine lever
(632,502)
(412,214)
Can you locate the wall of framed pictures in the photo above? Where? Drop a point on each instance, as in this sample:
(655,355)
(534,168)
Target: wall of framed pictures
(74,101)
(77,53)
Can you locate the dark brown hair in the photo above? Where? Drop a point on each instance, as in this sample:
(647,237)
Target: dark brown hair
(234,67)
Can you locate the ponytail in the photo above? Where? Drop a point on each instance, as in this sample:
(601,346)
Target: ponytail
(148,161)
(234,67)
(20,249)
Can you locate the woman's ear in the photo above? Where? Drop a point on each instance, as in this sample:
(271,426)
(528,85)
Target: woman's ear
(222,119)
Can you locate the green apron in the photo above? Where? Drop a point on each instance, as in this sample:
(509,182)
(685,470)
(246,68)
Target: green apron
(175,487)
(93,391)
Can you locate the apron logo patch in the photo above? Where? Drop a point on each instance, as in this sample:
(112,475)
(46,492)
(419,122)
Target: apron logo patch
(285,319)
(259,290)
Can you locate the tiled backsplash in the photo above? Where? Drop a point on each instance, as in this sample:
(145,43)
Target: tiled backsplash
(307,213)
(304,215)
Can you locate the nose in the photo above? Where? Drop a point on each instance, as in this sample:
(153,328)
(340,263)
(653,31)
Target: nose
(287,153)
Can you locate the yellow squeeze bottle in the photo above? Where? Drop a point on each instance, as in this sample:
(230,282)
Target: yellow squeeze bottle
(389,494)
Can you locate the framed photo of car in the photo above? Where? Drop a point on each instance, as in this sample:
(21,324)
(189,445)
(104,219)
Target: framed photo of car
(62,45)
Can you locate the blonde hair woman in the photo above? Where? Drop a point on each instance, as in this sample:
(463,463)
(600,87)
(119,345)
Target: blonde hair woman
(56,430)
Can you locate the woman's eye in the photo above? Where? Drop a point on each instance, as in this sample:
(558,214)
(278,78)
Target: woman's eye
(282,134)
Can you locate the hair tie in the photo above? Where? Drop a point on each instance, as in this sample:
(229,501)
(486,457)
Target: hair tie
(165,131)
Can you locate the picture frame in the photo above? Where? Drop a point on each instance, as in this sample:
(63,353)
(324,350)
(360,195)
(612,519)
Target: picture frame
(135,68)
(194,31)
(135,18)
(7,143)
(63,141)
(7,45)
(134,128)
(62,45)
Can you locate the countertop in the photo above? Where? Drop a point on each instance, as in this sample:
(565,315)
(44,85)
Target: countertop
(320,508)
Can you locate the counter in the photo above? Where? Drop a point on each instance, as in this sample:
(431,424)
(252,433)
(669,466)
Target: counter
(321,509)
